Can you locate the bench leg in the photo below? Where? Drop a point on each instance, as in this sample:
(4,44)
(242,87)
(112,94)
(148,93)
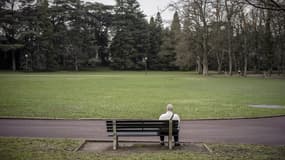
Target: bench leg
(170,135)
(115,136)
(115,142)
(170,142)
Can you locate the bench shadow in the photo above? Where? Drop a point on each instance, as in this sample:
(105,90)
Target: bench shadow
(137,147)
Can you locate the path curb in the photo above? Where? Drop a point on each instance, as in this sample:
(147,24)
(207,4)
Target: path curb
(80,146)
(104,119)
(208,148)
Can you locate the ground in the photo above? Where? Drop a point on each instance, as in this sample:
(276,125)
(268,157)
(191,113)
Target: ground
(265,131)
(135,95)
(53,149)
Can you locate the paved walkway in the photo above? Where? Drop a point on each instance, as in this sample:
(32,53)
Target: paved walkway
(269,131)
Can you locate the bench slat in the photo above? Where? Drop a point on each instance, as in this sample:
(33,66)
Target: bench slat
(141,129)
(141,126)
(118,123)
(134,134)
(122,134)
(141,122)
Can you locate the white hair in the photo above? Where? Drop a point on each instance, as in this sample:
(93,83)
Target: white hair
(169,107)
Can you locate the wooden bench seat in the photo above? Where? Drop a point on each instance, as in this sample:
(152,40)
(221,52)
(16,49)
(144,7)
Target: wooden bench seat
(141,128)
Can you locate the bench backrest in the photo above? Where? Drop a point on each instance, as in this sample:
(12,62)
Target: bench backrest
(142,125)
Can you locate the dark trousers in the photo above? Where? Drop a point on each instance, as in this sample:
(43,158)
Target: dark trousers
(176,138)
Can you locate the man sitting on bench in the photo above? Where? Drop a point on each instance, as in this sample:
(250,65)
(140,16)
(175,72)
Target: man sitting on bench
(169,115)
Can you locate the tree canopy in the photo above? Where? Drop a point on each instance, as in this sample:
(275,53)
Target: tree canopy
(226,36)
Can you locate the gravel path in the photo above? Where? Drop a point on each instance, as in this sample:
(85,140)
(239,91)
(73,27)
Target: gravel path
(268,131)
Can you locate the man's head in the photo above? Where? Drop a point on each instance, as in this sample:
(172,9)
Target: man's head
(169,107)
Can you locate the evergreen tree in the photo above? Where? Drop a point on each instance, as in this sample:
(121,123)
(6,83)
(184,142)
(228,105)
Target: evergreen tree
(98,21)
(10,28)
(154,46)
(175,27)
(169,44)
(131,41)
(60,13)
(167,51)
(155,28)
(46,37)
(30,38)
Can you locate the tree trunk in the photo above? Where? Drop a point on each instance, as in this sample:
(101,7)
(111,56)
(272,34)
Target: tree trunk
(32,62)
(220,68)
(245,66)
(199,65)
(230,50)
(235,62)
(218,32)
(63,61)
(76,63)
(230,59)
(220,63)
(13,61)
(283,64)
(229,38)
(245,44)
(205,65)
(282,67)
(205,57)
(269,43)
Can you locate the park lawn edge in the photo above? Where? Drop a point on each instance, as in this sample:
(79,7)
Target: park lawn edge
(104,119)
(59,148)
(60,96)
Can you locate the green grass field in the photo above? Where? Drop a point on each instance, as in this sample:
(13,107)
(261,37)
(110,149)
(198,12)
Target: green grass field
(136,96)
(53,149)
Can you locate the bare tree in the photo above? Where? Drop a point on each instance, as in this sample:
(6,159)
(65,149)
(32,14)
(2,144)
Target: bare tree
(217,38)
(232,7)
(276,5)
(198,14)
(244,27)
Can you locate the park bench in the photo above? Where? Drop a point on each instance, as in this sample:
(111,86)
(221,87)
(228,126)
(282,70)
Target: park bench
(139,128)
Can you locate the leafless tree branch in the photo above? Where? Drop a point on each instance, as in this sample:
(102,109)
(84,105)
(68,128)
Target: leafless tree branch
(273,5)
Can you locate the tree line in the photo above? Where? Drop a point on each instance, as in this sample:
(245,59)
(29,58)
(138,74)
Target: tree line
(229,36)
(232,35)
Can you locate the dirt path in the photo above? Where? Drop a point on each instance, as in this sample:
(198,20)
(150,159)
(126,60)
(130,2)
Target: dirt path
(270,131)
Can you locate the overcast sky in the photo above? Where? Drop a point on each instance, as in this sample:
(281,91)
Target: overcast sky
(149,7)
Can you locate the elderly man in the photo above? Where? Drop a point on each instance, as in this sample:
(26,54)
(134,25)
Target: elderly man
(169,115)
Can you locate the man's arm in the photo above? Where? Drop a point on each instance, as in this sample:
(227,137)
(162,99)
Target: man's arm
(177,117)
(160,117)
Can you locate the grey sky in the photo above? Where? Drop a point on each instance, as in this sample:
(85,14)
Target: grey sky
(149,7)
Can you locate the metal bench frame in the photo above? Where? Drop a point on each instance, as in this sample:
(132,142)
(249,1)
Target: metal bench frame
(115,133)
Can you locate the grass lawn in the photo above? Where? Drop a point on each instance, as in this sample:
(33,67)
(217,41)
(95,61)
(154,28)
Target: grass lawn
(53,149)
(134,95)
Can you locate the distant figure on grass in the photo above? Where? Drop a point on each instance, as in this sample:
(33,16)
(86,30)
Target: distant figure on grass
(169,115)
